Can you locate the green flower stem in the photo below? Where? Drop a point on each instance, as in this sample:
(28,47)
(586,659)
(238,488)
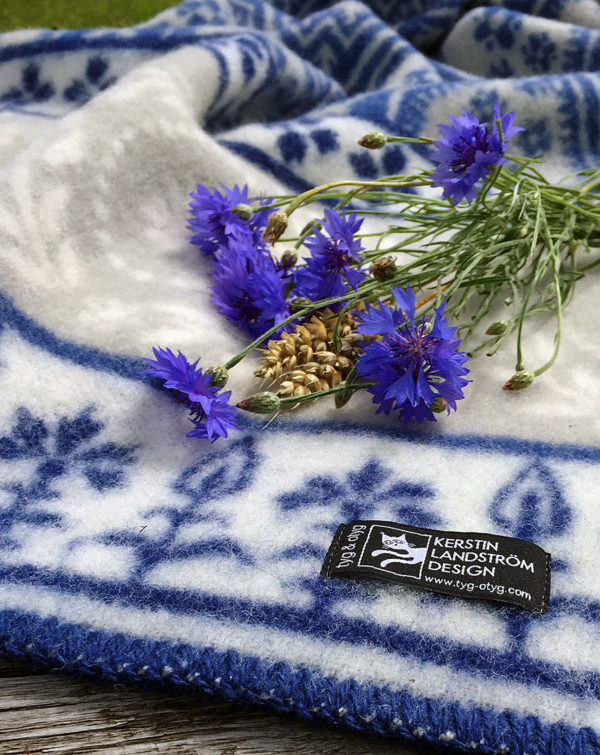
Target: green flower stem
(292,400)
(526,164)
(557,336)
(493,344)
(589,266)
(289,239)
(337,341)
(410,140)
(488,185)
(500,129)
(592,185)
(552,248)
(308,195)
(538,272)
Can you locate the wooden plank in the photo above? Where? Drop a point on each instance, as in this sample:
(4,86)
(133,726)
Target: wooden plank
(10,667)
(59,715)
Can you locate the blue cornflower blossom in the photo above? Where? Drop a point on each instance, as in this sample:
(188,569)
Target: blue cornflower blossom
(218,421)
(212,415)
(329,270)
(213,221)
(467,151)
(248,289)
(415,363)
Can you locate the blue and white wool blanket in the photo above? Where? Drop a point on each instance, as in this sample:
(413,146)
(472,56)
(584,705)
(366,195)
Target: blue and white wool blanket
(131,552)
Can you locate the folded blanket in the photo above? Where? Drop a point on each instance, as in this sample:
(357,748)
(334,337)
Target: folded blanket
(131,552)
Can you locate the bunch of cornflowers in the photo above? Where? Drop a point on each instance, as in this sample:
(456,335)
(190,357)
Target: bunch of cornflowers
(342,312)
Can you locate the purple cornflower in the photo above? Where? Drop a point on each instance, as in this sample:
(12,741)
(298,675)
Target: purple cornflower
(415,362)
(467,151)
(329,270)
(218,421)
(212,415)
(213,221)
(247,288)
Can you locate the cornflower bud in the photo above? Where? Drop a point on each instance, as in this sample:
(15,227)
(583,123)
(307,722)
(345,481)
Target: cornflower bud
(497,328)
(342,397)
(310,226)
(288,259)
(438,405)
(261,403)
(374,140)
(276,226)
(520,380)
(243,211)
(300,302)
(218,376)
(383,269)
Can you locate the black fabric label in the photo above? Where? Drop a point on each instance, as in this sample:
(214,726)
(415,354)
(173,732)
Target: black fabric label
(468,564)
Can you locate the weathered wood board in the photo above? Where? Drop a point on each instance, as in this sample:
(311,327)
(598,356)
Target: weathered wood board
(51,713)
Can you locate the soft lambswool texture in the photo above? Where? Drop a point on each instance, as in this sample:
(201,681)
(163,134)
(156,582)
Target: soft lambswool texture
(133,553)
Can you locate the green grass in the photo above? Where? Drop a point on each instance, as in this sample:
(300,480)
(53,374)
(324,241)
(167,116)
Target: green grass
(77,14)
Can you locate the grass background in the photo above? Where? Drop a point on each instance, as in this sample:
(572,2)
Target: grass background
(77,14)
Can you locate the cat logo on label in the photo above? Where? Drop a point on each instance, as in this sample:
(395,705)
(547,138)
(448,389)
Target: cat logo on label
(394,550)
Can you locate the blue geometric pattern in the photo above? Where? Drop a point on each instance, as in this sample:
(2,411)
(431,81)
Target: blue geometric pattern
(68,449)
(31,89)
(532,504)
(130,552)
(220,474)
(362,494)
(95,79)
